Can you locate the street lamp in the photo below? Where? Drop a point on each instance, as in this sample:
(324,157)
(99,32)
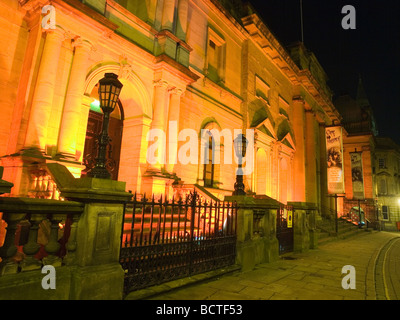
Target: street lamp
(240,145)
(109,90)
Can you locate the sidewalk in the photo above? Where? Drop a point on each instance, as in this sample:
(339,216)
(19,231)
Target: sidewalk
(315,275)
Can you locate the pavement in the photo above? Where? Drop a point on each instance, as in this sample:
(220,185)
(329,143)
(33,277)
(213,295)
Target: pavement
(313,275)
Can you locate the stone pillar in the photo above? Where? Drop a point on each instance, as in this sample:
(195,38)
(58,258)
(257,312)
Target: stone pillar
(246,252)
(181,26)
(301,236)
(167,21)
(160,115)
(299,157)
(311,165)
(97,271)
(173,132)
(325,200)
(73,101)
(44,91)
(253,249)
(305,233)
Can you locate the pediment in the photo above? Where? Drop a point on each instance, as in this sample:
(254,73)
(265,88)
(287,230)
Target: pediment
(267,128)
(288,141)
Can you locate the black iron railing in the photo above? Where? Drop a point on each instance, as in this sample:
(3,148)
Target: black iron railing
(165,240)
(284,228)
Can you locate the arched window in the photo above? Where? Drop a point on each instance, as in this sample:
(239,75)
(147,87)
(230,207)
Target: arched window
(382,186)
(208,175)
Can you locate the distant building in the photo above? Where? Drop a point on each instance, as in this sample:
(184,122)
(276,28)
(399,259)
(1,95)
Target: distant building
(358,146)
(387,177)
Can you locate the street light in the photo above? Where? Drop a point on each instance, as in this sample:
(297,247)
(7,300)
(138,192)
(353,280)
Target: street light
(240,145)
(109,90)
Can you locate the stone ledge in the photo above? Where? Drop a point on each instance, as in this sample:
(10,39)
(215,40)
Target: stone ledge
(179,283)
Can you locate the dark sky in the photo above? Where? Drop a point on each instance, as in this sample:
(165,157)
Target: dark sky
(372,50)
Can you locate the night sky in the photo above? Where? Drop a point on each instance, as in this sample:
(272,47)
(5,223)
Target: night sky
(372,51)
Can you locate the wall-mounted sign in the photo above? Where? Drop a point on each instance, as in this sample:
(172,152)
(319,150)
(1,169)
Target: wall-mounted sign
(357,175)
(334,149)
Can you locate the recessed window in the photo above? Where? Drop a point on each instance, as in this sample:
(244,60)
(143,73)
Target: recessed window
(385,212)
(382,163)
(209,165)
(382,186)
(262,90)
(215,57)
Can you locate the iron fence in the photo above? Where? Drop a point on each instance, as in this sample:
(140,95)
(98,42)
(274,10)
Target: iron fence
(284,229)
(165,240)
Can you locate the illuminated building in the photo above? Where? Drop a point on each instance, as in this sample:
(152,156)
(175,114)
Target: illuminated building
(387,178)
(359,123)
(190,61)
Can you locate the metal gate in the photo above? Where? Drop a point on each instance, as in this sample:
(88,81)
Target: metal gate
(163,241)
(284,228)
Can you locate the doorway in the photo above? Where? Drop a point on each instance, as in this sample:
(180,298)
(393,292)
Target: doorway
(94,127)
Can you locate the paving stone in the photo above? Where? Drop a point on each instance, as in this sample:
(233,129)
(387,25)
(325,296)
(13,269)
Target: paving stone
(314,275)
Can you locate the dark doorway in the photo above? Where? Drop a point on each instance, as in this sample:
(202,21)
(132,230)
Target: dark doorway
(95,123)
(208,175)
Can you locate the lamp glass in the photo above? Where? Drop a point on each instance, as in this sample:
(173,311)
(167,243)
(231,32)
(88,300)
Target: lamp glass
(109,90)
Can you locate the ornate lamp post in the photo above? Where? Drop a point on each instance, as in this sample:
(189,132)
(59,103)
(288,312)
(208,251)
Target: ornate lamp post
(109,90)
(240,145)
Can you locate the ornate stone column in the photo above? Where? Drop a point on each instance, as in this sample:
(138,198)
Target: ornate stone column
(311,163)
(299,157)
(167,21)
(181,26)
(160,114)
(173,132)
(72,109)
(44,91)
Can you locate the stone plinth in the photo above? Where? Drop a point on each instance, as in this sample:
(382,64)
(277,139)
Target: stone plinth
(255,246)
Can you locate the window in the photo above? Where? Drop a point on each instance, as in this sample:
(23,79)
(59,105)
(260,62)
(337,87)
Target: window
(385,212)
(208,176)
(215,57)
(382,163)
(262,90)
(382,187)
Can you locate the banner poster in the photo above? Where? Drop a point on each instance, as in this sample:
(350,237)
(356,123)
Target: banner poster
(334,149)
(357,175)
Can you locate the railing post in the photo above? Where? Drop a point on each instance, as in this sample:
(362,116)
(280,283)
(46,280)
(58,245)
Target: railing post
(8,251)
(32,247)
(192,205)
(69,258)
(53,246)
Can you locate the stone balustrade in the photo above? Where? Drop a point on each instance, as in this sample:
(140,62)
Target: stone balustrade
(38,232)
(79,235)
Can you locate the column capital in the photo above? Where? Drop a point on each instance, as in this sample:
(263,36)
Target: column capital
(161,83)
(58,33)
(86,45)
(176,91)
(33,6)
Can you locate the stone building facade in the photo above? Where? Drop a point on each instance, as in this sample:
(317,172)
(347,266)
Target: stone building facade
(387,177)
(184,64)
